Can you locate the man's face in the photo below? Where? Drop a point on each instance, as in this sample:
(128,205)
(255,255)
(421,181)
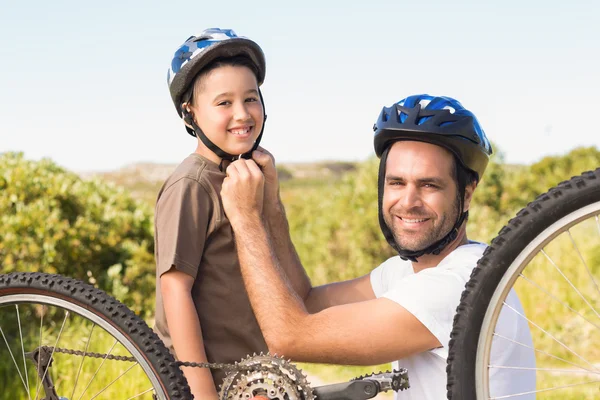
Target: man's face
(420,203)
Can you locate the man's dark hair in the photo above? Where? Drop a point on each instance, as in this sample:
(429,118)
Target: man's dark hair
(463,177)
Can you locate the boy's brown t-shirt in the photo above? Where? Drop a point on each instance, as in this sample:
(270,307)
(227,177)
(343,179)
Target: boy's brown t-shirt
(193,235)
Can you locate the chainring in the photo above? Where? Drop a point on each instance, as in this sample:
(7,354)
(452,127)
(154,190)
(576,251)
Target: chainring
(268,376)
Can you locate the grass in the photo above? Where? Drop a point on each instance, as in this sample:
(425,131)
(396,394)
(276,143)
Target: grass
(111,378)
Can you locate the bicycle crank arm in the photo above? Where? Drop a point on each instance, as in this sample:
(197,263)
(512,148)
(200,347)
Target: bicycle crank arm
(355,390)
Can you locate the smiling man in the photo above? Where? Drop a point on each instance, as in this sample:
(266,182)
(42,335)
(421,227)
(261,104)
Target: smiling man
(433,153)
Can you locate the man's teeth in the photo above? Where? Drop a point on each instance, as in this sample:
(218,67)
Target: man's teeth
(412,221)
(240,131)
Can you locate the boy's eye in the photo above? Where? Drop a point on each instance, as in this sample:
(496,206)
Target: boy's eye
(251,99)
(223,103)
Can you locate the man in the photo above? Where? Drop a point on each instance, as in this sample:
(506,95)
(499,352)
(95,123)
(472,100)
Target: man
(433,153)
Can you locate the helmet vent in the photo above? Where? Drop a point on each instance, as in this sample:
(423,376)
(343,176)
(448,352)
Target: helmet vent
(424,103)
(449,108)
(422,120)
(401,115)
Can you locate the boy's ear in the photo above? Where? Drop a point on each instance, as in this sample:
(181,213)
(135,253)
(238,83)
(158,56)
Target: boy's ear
(187,115)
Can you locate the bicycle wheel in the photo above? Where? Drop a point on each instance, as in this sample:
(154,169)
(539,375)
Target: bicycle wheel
(62,339)
(549,255)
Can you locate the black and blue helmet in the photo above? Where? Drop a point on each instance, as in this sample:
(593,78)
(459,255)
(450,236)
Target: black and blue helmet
(438,120)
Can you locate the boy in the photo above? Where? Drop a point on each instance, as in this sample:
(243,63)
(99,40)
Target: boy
(202,309)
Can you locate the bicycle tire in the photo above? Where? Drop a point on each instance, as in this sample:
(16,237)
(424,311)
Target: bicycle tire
(104,311)
(532,225)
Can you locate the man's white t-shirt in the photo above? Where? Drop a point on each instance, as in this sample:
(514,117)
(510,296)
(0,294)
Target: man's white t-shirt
(432,295)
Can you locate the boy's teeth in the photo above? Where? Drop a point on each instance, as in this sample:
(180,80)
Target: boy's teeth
(240,131)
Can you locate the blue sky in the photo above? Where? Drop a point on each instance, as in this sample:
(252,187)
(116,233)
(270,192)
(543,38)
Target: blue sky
(84,83)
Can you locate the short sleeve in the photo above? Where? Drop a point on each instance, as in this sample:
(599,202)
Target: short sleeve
(388,272)
(181,226)
(431,296)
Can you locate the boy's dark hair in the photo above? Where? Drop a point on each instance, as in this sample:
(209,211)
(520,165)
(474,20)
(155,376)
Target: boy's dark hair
(235,61)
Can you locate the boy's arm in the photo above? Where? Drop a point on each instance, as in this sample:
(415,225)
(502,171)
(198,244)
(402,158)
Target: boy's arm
(186,332)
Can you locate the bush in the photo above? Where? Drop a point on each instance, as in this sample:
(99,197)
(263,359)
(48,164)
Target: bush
(53,221)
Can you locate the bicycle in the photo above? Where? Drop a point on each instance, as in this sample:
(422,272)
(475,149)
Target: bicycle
(549,254)
(52,326)
(563,214)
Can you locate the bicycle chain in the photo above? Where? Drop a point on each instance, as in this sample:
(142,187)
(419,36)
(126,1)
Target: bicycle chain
(396,380)
(246,366)
(132,359)
(86,354)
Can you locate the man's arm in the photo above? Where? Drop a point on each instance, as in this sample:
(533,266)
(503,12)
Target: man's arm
(315,298)
(185,331)
(365,332)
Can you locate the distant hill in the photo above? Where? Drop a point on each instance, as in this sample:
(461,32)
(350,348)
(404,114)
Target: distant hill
(144,180)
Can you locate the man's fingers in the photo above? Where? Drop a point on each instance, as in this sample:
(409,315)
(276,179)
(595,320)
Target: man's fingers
(244,169)
(238,169)
(262,157)
(254,169)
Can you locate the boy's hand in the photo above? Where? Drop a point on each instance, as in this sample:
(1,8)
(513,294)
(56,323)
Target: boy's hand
(243,190)
(265,160)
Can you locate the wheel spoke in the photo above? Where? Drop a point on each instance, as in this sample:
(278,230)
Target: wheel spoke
(116,379)
(556,370)
(141,394)
(552,336)
(87,345)
(13,358)
(558,300)
(23,352)
(100,367)
(37,372)
(584,263)
(571,284)
(544,390)
(545,353)
(54,348)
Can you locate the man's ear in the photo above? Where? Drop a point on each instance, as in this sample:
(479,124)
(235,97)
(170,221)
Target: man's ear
(469,189)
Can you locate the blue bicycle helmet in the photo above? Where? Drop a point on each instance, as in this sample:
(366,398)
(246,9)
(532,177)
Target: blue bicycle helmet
(437,120)
(442,121)
(196,53)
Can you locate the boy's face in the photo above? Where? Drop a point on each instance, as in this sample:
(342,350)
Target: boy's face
(228,108)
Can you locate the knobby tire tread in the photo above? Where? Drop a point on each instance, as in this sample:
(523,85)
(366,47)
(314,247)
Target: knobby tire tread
(110,310)
(561,200)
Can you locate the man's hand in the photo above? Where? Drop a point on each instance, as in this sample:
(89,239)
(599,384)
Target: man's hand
(243,190)
(265,160)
